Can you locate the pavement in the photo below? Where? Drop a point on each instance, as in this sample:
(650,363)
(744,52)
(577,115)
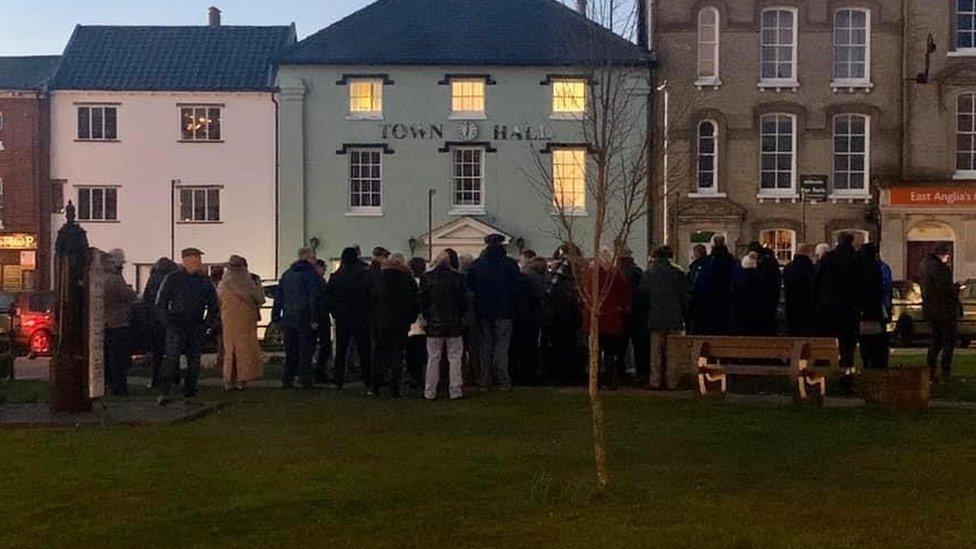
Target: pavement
(136,411)
(38,369)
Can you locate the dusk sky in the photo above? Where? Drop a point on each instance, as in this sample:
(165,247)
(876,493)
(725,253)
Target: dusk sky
(29,27)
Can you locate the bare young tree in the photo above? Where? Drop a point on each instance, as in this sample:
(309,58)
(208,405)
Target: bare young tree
(606,169)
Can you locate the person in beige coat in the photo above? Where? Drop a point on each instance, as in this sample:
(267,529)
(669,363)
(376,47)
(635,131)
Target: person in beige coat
(240,309)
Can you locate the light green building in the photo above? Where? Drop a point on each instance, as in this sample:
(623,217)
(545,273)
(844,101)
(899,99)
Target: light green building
(475,101)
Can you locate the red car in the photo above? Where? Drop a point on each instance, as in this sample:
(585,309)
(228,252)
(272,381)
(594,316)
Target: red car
(33,322)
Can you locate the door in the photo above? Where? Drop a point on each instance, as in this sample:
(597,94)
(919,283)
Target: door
(917,252)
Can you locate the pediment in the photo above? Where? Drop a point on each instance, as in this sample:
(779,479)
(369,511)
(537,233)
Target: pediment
(465,230)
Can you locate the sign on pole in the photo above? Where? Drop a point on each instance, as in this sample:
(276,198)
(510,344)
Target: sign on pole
(813,187)
(96,326)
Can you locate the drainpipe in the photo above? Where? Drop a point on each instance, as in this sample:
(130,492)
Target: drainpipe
(277,147)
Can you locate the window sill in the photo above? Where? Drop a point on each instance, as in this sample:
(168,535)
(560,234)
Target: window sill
(778,85)
(849,197)
(199,222)
(790,196)
(469,210)
(571,213)
(199,141)
(364,213)
(567,116)
(468,116)
(707,195)
(99,221)
(964,175)
(962,53)
(851,86)
(708,83)
(365,116)
(98,140)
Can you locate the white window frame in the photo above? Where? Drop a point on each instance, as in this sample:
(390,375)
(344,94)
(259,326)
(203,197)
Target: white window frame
(105,191)
(957,51)
(776,251)
(363,210)
(91,109)
(701,192)
(207,127)
(470,114)
(576,209)
(846,193)
(970,134)
(715,79)
(569,114)
(193,190)
(777,192)
(376,99)
(847,82)
(467,209)
(777,82)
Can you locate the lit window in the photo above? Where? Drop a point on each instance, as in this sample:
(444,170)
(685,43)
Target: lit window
(96,123)
(98,204)
(200,123)
(778,153)
(708,32)
(965,24)
(707,157)
(779,45)
(851,153)
(199,204)
(852,43)
(966,135)
(468,177)
(468,95)
(365,178)
(781,241)
(569,179)
(366,97)
(568,96)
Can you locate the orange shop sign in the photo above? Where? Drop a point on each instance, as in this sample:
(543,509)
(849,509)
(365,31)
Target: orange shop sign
(18,241)
(933,196)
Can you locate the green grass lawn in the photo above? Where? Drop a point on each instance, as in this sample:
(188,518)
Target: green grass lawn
(513,469)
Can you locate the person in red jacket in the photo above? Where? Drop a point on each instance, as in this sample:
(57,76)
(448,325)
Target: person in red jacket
(614,312)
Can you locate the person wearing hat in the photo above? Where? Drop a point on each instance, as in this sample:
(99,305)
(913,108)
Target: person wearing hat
(240,309)
(494,280)
(119,299)
(188,306)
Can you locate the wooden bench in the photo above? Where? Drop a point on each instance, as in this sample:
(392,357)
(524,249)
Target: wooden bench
(808,361)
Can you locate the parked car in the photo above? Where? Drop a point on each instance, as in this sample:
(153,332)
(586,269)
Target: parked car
(33,324)
(908,325)
(6,314)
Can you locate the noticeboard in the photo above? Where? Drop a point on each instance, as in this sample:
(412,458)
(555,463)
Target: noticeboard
(813,187)
(96,326)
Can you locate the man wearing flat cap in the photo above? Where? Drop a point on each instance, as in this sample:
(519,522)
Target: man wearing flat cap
(187,304)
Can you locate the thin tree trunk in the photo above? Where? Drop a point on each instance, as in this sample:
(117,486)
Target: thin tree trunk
(596,402)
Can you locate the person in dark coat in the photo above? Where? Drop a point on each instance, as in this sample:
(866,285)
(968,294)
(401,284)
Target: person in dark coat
(494,280)
(772,280)
(398,310)
(532,306)
(666,296)
(941,308)
(155,329)
(187,301)
(323,344)
(713,290)
(380,255)
(798,283)
(837,294)
(560,331)
(699,256)
(874,313)
(350,297)
(417,338)
(637,336)
(444,304)
(297,304)
(748,292)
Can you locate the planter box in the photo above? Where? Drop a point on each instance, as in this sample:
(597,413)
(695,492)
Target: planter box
(897,389)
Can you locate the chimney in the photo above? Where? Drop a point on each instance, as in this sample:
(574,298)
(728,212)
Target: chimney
(581,7)
(214,16)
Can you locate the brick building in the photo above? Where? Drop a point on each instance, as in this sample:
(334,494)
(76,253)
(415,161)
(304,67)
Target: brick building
(767,98)
(934,202)
(25,186)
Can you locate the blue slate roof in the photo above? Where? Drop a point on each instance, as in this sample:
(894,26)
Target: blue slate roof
(224,58)
(27,73)
(465,33)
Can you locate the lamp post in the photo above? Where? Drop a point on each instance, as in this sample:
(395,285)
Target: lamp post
(172,217)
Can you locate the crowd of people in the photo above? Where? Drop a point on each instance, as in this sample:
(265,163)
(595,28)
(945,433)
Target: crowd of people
(494,321)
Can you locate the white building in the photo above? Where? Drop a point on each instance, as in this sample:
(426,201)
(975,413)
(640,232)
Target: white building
(164,138)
